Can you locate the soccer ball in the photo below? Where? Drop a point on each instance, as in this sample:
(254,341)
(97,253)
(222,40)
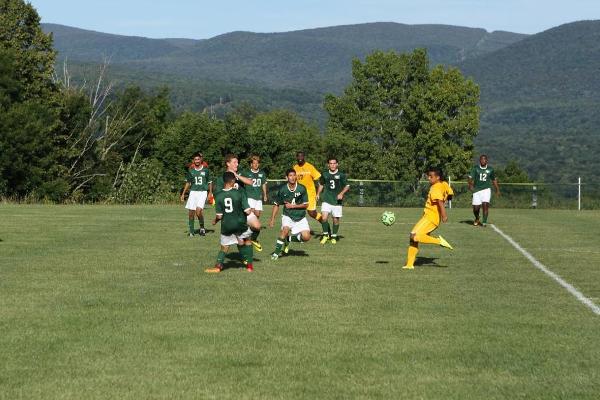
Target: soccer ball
(388,218)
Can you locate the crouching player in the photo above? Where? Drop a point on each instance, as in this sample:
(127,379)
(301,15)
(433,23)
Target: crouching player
(294,226)
(432,214)
(231,208)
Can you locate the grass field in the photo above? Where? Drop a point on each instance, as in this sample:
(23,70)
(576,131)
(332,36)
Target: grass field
(110,302)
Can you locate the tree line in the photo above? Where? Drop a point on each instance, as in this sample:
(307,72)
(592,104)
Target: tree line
(89,141)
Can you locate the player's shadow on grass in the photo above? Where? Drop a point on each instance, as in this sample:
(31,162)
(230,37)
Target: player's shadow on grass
(297,253)
(428,262)
(197,231)
(467,221)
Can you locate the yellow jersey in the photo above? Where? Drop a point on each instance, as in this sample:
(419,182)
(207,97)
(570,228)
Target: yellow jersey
(307,175)
(437,192)
(447,190)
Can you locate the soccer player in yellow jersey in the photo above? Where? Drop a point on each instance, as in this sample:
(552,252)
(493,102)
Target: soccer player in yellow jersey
(432,214)
(307,175)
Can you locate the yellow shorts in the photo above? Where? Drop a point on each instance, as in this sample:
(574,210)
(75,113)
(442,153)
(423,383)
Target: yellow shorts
(424,226)
(312,202)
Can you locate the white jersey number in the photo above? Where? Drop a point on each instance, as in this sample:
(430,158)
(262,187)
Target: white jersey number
(228,205)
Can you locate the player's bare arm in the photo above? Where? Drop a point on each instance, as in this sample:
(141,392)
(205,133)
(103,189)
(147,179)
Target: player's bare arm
(319,191)
(243,179)
(496,186)
(185,189)
(341,194)
(218,217)
(442,210)
(273,214)
(264,190)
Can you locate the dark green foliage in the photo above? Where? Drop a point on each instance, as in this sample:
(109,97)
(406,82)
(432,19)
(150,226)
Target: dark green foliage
(34,56)
(398,117)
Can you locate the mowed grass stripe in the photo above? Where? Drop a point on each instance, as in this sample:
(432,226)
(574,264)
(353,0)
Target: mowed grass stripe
(113,303)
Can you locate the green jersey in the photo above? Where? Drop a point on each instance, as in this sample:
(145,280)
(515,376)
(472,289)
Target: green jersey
(231,204)
(198,179)
(219,185)
(258,178)
(296,195)
(333,183)
(482,177)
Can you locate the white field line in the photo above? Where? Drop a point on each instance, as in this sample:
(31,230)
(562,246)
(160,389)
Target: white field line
(570,288)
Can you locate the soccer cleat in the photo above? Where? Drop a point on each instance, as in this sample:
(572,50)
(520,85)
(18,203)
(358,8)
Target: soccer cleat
(324,239)
(333,240)
(244,262)
(257,245)
(202,232)
(274,257)
(190,234)
(476,223)
(408,267)
(249,268)
(286,247)
(483,224)
(445,244)
(214,270)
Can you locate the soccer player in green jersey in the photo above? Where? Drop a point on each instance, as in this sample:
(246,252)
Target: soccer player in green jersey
(481,179)
(231,165)
(232,207)
(256,192)
(294,226)
(197,179)
(333,186)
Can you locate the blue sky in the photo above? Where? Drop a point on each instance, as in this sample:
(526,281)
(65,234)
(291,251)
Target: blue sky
(202,19)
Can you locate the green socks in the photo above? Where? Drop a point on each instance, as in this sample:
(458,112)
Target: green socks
(279,246)
(191,225)
(221,257)
(296,238)
(336,228)
(201,220)
(254,236)
(325,225)
(247,253)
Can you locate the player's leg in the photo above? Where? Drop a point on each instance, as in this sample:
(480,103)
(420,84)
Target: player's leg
(485,204)
(336,229)
(476,207)
(336,213)
(200,216)
(283,234)
(200,210)
(247,252)
(220,256)
(256,210)
(190,205)
(413,250)
(300,231)
(191,217)
(325,223)
(311,209)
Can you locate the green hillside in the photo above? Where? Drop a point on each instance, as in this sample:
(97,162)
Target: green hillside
(314,59)
(540,98)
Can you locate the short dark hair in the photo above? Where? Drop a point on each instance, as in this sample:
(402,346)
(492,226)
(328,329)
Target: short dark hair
(300,152)
(289,171)
(197,154)
(228,177)
(436,170)
(332,158)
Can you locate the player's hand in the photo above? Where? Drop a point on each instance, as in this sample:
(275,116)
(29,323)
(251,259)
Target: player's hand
(340,196)
(265,199)
(445,218)
(182,198)
(271,223)
(289,205)
(215,221)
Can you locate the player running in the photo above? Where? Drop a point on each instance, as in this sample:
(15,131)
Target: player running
(232,207)
(481,178)
(307,176)
(294,225)
(432,214)
(256,192)
(333,186)
(197,179)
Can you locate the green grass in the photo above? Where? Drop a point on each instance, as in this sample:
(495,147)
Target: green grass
(111,302)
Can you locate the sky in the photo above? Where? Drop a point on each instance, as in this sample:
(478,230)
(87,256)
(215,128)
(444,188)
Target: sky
(201,19)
